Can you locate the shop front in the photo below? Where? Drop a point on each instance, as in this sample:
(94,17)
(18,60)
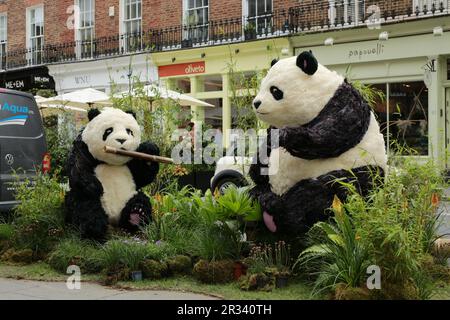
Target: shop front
(113,74)
(205,74)
(413,73)
(28,80)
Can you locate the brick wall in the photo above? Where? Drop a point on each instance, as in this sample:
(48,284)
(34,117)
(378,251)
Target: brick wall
(104,24)
(156,14)
(225,9)
(56,16)
(159,14)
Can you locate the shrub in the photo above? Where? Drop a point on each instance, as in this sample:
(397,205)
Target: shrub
(214,272)
(39,220)
(337,254)
(179,265)
(22,256)
(153,269)
(130,253)
(6,232)
(73,251)
(394,227)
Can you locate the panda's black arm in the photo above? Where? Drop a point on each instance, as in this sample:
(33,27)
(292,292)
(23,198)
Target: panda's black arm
(144,172)
(260,162)
(80,168)
(339,127)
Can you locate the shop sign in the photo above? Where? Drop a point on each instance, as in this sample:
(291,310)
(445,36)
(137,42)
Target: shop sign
(360,53)
(15,84)
(182,69)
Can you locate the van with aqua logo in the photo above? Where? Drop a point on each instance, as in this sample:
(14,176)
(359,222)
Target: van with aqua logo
(23,148)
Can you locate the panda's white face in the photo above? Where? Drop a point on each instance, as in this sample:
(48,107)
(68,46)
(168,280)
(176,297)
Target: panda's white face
(112,128)
(289,96)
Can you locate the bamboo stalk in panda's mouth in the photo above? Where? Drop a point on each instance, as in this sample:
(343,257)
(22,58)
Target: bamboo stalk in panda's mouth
(138,155)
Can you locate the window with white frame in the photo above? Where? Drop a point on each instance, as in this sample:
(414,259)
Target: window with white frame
(35,33)
(196,19)
(3,40)
(132,24)
(259,16)
(343,12)
(85,28)
(132,18)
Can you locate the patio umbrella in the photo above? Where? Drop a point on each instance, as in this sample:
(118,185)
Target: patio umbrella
(153,91)
(39,99)
(47,110)
(84,98)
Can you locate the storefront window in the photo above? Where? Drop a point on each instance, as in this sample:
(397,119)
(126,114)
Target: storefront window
(403,116)
(211,83)
(182,85)
(381,109)
(408,127)
(213,116)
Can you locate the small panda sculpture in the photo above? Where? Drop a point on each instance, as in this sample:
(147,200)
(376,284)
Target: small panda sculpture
(104,188)
(327,133)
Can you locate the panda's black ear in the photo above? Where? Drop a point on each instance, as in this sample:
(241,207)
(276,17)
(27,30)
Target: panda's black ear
(132,113)
(274,61)
(92,113)
(307,62)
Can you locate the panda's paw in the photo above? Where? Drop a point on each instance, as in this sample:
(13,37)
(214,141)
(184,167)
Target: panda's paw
(269,222)
(148,148)
(137,215)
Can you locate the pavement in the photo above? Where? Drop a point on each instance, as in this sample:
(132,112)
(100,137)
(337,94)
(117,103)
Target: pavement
(11,289)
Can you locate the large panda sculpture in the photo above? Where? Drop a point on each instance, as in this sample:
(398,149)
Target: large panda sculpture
(327,135)
(105,188)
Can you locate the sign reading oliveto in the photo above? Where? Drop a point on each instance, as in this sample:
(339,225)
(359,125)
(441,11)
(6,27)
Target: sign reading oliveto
(182,69)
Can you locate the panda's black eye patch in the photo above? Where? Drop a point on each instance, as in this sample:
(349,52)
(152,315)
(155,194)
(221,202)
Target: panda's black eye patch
(107,133)
(130,132)
(276,93)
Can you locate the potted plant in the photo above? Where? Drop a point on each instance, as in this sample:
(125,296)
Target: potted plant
(250,31)
(136,275)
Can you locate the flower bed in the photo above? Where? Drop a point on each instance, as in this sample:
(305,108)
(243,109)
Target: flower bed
(217,239)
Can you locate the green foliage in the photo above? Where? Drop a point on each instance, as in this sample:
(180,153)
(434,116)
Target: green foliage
(268,258)
(337,254)
(369,93)
(394,227)
(6,231)
(39,220)
(59,142)
(73,251)
(214,271)
(130,253)
(203,226)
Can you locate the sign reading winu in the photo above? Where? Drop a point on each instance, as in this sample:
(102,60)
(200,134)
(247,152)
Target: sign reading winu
(182,69)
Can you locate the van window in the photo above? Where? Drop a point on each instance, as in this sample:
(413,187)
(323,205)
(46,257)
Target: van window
(19,117)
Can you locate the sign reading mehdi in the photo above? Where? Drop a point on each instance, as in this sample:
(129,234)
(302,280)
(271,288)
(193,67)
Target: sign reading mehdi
(182,69)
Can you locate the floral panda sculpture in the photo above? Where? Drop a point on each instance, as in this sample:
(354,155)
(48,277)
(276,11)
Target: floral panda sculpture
(104,187)
(327,134)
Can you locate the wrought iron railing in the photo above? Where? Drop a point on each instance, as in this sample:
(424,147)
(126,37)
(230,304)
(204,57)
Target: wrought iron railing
(318,16)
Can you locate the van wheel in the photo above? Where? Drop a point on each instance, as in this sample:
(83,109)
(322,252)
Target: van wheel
(222,184)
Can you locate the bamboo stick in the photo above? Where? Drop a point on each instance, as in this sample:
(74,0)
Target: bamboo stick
(138,155)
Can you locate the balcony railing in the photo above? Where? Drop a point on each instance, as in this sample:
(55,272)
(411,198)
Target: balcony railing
(319,16)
